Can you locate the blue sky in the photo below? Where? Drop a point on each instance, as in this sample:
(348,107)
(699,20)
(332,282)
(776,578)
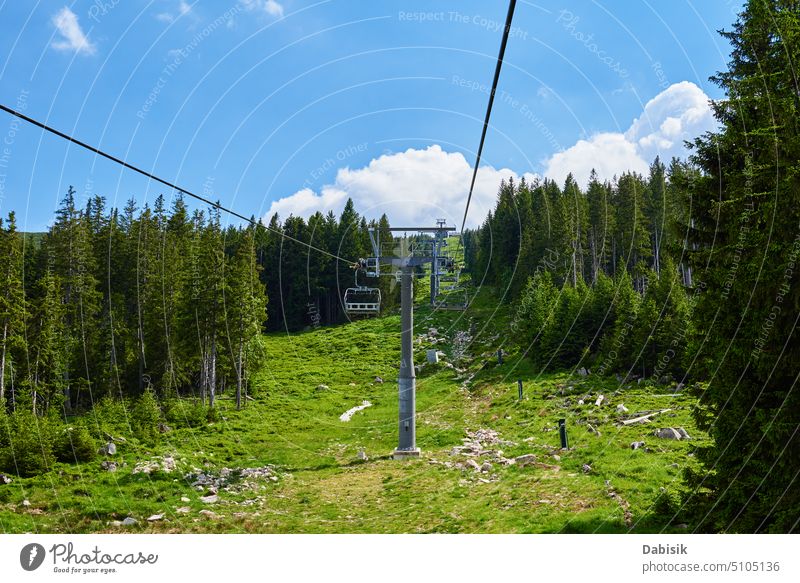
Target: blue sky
(294,105)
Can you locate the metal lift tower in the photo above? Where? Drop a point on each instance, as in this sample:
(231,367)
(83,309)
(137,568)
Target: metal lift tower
(406,256)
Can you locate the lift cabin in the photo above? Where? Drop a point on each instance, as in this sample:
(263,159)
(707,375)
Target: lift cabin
(361,300)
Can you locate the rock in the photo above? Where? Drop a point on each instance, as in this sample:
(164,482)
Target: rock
(210,499)
(209,514)
(526,459)
(601,400)
(108,466)
(637,444)
(26,503)
(109,448)
(115,523)
(683,433)
(163,428)
(4,479)
(185,499)
(378,380)
(486,467)
(586,468)
(556,457)
(322,387)
(432,356)
(622,408)
(362,455)
(155,518)
(183,510)
(130,521)
(583,372)
(351,385)
(580,402)
(667,433)
(473,464)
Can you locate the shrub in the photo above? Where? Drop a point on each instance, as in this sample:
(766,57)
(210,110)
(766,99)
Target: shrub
(145,417)
(184,413)
(74,443)
(109,416)
(29,447)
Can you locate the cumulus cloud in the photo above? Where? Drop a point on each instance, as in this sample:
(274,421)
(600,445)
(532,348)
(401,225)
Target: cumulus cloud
(181,9)
(412,187)
(72,37)
(271,7)
(680,112)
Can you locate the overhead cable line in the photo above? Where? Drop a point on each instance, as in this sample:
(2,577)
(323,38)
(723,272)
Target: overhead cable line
(164,182)
(512,4)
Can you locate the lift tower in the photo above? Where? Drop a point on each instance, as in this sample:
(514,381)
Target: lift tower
(405,255)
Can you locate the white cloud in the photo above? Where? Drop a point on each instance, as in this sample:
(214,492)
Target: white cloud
(680,112)
(182,8)
(412,187)
(72,37)
(271,7)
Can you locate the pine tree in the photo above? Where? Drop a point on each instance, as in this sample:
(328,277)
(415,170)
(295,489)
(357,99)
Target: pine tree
(746,218)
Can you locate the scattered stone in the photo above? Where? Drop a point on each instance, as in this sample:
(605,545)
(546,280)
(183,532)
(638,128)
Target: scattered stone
(668,433)
(432,356)
(155,518)
(209,514)
(163,428)
(166,464)
(580,402)
(683,433)
(378,380)
(525,460)
(593,429)
(185,499)
(109,448)
(586,468)
(622,408)
(473,464)
(556,457)
(210,499)
(637,444)
(130,521)
(4,479)
(362,455)
(183,510)
(347,415)
(26,503)
(601,400)
(583,372)
(486,467)
(351,385)
(108,466)
(322,387)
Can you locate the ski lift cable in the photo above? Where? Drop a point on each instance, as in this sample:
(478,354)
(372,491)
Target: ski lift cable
(511,5)
(164,182)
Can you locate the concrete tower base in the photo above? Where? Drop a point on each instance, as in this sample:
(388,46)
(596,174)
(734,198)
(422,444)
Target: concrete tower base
(404,454)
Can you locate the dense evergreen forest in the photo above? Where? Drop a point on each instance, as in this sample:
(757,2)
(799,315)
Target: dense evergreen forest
(688,273)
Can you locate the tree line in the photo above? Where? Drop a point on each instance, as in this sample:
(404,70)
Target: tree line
(690,271)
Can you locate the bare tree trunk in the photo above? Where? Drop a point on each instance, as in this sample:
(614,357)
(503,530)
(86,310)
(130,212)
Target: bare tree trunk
(3,367)
(212,384)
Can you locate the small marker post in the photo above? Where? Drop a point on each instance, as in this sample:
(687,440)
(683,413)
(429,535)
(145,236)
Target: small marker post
(499,356)
(562,432)
(519,388)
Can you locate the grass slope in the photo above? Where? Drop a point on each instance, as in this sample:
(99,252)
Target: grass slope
(322,486)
